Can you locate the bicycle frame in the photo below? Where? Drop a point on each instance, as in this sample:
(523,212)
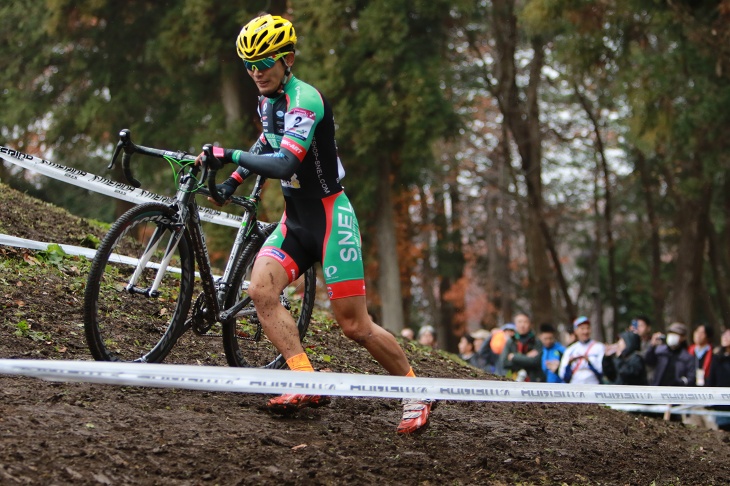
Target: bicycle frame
(144,321)
(189,218)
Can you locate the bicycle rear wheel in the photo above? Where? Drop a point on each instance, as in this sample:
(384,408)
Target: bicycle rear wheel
(125,323)
(244,342)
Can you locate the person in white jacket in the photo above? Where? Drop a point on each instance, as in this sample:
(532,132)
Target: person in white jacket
(583,360)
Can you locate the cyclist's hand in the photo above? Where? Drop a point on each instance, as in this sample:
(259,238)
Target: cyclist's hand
(225,189)
(199,159)
(216,161)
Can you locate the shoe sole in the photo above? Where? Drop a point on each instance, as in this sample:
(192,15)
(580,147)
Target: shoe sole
(414,432)
(423,427)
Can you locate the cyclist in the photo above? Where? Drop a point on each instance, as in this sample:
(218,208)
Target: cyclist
(298,147)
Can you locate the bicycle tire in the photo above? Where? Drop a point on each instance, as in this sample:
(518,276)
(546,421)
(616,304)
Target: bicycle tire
(123,326)
(244,343)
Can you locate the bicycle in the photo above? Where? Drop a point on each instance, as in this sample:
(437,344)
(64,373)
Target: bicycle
(136,308)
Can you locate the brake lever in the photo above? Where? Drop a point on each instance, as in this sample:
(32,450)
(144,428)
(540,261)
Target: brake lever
(124,139)
(211,163)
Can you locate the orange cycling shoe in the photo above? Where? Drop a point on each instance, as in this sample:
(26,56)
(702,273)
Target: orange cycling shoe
(415,415)
(290,403)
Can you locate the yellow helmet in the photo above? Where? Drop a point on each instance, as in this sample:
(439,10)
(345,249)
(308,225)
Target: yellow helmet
(263,36)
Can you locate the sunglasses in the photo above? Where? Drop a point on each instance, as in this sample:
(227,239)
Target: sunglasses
(265,63)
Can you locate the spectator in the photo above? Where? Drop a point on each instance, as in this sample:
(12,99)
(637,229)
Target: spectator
(719,375)
(467,352)
(570,336)
(501,336)
(552,352)
(701,349)
(493,348)
(481,348)
(480,336)
(408,334)
(582,362)
(427,336)
(523,352)
(641,325)
(674,366)
(623,363)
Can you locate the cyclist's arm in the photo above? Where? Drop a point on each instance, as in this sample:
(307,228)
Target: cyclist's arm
(240,174)
(299,126)
(279,165)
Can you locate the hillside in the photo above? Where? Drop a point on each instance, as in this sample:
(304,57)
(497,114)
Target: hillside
(86,434)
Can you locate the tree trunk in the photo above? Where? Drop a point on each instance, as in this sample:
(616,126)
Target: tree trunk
(499,282)
(719,268)
(692,228)
(449,256)
(598,329)
(389,287)
(430,278)
(449,339)
(522,116)
(231,92)
(657,285)
(607,213)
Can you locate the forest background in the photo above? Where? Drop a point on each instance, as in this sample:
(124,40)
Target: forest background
(554,157)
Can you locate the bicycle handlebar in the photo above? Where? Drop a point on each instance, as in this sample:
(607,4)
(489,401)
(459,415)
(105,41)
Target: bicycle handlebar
(125,144)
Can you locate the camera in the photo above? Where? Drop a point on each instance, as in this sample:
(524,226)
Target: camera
(663,338)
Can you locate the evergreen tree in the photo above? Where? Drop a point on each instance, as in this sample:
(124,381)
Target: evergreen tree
(383,66)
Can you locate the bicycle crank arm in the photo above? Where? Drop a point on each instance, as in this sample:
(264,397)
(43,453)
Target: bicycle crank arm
(233,311)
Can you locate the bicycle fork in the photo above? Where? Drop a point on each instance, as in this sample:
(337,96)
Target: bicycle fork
(144,261)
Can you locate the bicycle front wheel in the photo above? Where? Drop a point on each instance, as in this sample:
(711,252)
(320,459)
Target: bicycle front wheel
(128,316)
(244,341)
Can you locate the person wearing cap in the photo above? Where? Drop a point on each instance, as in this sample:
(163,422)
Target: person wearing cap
(582,362)
(481,349)
(674,365)
(523,352)
(501,336)
(480,337)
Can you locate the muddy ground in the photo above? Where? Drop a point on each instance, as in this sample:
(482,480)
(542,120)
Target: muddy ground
(89,434)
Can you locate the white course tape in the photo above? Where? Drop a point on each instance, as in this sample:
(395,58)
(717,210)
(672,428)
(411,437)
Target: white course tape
(662,409)
(104,186)
(7,240)
(254,380)
(16,242)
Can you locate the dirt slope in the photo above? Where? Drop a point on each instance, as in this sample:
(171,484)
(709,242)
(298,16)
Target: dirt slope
(82,434)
